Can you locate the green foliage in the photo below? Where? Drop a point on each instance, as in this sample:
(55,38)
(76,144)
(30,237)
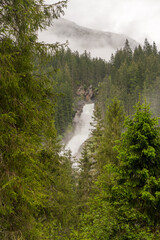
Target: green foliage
(99,219)
(83,70)
(73,71)
(135,196)
(35,180)
(113,126)
(41,197)
(130,74)
(64,107)
(125,202)
(85,179)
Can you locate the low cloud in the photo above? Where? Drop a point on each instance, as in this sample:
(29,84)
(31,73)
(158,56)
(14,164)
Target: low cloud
(137,18)
(98,43)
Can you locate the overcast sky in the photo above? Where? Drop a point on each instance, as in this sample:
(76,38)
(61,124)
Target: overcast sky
(135,18)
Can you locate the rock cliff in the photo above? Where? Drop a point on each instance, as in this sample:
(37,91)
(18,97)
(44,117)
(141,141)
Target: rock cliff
(88,93)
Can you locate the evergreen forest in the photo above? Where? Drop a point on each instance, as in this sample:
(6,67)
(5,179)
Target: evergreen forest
(115,192)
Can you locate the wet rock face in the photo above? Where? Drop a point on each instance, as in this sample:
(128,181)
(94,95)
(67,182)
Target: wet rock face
(80,91)
(87,94)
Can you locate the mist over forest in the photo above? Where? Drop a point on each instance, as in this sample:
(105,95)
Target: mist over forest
(109,188)
(81,38)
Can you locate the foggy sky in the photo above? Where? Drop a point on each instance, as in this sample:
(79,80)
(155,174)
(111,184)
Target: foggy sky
(136,18)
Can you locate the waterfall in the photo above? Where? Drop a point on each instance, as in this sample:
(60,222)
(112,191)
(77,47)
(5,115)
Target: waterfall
(82,129)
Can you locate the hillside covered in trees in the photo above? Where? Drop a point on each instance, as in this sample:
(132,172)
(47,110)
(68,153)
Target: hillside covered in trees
(115,194)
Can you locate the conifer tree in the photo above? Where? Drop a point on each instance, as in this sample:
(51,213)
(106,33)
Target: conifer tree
(26,120)
(99,217)
(112,131)
(85,182)
(136,194)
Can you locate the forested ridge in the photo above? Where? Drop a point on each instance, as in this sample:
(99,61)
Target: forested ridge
(115,194)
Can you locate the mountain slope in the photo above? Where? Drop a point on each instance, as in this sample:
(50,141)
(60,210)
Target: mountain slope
(99,43)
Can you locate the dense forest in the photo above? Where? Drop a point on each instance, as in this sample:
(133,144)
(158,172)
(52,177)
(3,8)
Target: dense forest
(115,193)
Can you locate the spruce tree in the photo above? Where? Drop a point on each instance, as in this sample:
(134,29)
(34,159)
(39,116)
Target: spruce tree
(99,218)
(26,119)
(113,125)
(136,193)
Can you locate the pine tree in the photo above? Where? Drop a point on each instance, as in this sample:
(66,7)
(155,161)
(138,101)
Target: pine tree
(26,121)
(112,131)
(99,217)
(127,52)
(136,194)
(85,182)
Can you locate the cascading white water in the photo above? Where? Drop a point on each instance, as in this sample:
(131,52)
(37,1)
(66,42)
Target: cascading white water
(82,129)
